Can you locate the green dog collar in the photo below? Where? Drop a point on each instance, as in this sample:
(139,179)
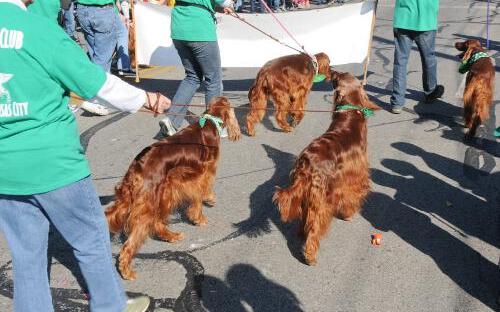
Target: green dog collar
(215,120)
(466,65)
(366,111)
(319,78)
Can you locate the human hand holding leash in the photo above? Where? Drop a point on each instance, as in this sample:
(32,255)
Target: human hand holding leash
(157,103)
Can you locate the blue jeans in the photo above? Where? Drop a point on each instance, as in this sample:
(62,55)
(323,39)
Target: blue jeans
(69,20)
(75,211)
(275,4)
(425,41)
(201,61)
(123,61)
(100,29)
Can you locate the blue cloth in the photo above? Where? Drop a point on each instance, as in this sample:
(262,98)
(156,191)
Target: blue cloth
(100,27)
(202,65)
(69,20)
(123,57)
(403,40)
(77,214)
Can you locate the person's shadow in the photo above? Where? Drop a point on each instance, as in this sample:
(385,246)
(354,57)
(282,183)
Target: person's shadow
(262,209)
(409,218)
(468,214)
(246,284)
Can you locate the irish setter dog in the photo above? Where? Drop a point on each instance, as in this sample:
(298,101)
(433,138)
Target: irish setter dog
(179,169)
(331,175)
(287,81)
(479,86)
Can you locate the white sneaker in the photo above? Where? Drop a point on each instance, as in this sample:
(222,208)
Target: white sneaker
(95,108)
(166,127)
(138,304)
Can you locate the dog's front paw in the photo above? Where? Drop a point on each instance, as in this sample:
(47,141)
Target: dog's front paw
(310,259)
(210,200)
(201,221)
(175,237)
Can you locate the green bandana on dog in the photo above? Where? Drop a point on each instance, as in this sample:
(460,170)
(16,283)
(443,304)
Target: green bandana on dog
(215,120)
(366,111)
(318,78)
(466,64)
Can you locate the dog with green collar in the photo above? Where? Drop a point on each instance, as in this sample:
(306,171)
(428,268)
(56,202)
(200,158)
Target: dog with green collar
(479,86)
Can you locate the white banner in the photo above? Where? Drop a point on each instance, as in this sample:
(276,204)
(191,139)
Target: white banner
(341,32)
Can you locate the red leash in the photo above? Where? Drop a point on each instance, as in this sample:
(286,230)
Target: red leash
(265,108)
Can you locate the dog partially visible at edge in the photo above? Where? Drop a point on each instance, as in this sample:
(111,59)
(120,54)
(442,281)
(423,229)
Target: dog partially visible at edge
(287,81)
(479,85)
(179,169)
(330,178)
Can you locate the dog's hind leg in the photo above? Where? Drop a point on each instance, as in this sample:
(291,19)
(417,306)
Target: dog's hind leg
(139,231)
(312,234)
(162,232)
(258,102)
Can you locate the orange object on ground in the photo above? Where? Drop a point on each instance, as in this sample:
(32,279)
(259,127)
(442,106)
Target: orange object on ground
(377,239)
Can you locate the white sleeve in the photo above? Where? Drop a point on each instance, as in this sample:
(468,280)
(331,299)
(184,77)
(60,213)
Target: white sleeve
(121,95)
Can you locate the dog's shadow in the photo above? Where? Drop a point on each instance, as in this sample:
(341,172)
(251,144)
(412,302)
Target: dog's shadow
(263,210)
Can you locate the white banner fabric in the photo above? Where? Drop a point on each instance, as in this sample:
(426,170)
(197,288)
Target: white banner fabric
(341,32)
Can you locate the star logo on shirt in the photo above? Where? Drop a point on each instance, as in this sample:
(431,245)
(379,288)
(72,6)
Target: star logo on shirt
(4,93)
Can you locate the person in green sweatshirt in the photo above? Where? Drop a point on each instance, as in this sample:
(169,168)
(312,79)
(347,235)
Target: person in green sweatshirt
(194,36)
(47,8)
(415,21)
(45,177)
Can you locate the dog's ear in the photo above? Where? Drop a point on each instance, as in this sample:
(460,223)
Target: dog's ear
(338,95)
(467,54)
(231,123)
(365,100)
(324,65)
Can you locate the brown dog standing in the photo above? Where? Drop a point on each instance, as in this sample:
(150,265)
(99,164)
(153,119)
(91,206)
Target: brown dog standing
(165,174)
(331,176)
(287,81)
(479,85)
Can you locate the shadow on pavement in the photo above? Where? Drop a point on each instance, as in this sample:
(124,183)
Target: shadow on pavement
(262,208)
(419,195)
(246,284)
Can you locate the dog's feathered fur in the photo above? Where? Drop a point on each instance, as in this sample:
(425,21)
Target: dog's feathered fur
(331,175)
(165,174)
(479,86)
(287,81)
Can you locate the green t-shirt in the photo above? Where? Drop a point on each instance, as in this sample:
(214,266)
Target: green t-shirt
(46,8)
(40,149)
(420,15)
(192,23)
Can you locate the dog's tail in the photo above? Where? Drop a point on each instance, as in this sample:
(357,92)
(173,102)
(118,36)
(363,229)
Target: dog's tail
(118,213)
(290,200)
(258,101)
